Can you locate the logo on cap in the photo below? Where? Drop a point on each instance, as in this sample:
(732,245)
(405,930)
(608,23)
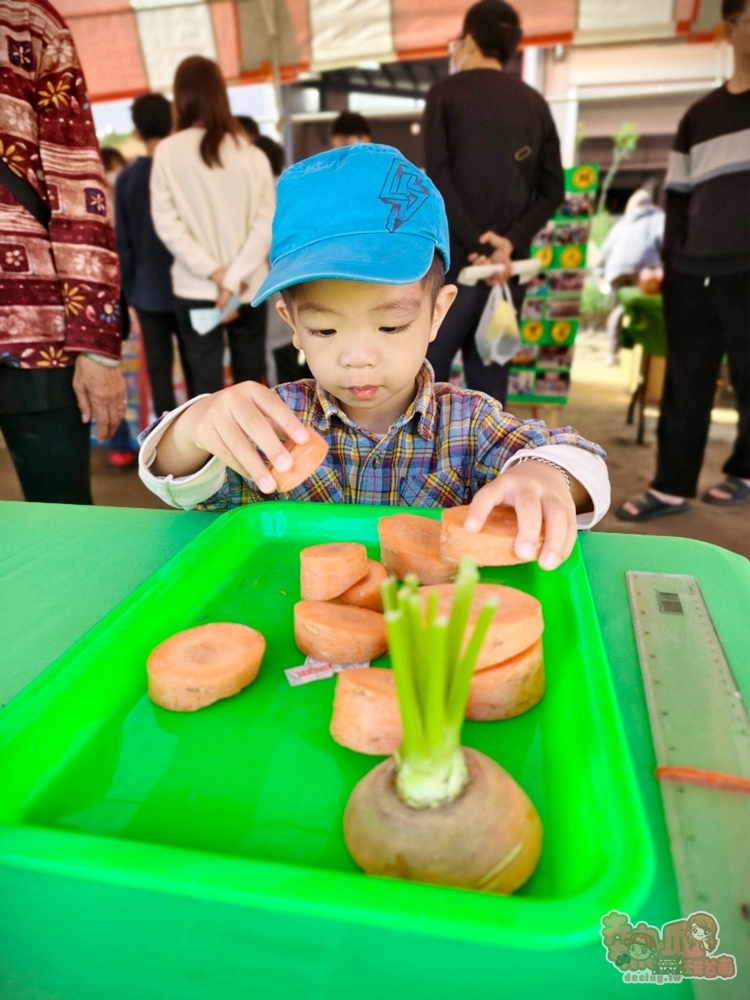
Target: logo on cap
(405,191)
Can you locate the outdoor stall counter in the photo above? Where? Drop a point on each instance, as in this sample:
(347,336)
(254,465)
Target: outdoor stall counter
(68,934)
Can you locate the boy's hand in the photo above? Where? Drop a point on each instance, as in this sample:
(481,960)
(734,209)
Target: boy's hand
(231,424)
(541,498)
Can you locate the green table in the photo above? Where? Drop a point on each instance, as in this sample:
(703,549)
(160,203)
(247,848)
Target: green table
(62,937)
(642,323)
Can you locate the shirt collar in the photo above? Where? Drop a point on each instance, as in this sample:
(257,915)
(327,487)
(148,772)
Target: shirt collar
(422,405)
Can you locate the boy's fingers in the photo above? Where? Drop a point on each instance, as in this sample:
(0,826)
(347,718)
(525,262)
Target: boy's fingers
(557,539)
(529,514)
(277,410)
(484,501)
(257,427)
(237,452)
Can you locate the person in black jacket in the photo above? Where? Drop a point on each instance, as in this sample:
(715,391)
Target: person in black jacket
(144,260)
(492,150)
(706,289)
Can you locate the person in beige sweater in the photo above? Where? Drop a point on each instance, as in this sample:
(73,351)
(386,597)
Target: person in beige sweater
(212,201)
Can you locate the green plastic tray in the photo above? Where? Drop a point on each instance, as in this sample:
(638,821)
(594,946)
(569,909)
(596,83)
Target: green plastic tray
(243,801)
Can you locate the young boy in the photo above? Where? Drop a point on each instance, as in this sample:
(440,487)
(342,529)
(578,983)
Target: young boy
(359,253)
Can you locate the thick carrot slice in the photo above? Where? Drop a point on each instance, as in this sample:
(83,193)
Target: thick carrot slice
(328,570)
(366,716)
(305,457)
(338,633)
(365,711)
(366,593)
(516,625)
(509,688)
(411,544)
(199,666)
(492,546)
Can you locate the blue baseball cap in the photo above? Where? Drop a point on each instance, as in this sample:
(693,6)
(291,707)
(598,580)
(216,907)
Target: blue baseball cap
(362,212)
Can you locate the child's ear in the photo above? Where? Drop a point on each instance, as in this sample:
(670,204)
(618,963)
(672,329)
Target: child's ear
(443,302)
(282,310)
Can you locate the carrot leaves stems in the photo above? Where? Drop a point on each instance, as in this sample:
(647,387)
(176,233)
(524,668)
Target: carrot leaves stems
(433,663)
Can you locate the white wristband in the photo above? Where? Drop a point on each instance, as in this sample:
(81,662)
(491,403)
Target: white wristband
(102,359)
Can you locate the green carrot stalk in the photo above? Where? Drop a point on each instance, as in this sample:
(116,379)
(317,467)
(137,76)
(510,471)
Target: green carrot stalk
(401,661)
(435,703)
(458,694)
(418,642)
(466,581)
(389,590)
(433,666)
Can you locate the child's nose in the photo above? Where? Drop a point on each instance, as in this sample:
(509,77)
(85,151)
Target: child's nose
(358,354)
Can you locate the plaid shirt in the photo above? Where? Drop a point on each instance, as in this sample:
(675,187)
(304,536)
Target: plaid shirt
(447,445)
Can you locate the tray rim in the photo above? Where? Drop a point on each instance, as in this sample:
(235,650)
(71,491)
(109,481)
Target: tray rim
(298,888)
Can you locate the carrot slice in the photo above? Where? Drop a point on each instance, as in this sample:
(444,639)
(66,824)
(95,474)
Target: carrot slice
(305,458)
(365,711)
(516,625)
(338,633)
(366,593)
(366,716)
(199,666)
(328,570)
(509,688)
(492,546)
(411,544)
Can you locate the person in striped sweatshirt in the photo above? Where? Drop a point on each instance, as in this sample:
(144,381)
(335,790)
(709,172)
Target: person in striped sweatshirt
(706,288)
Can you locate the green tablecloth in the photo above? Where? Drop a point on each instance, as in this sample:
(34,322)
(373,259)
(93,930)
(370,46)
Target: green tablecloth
(61,570)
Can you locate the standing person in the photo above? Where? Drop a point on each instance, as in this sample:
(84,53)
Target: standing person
(121,452)
(59,280)
(492,150)
(114,163)
(250,126)
(634,242)
(212,201)
(706,288)
(145,262)
(349,129)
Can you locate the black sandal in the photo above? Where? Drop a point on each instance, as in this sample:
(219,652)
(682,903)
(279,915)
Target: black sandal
(649,507)
(739,492)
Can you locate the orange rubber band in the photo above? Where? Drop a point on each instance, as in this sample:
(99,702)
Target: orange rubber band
(710,779)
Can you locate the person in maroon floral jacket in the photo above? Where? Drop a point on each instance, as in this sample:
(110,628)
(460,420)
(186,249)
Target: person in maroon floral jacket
(59,281)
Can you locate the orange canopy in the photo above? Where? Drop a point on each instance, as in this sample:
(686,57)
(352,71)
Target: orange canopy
(129,46)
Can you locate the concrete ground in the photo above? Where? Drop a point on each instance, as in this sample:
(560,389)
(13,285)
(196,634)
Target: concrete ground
(597,406)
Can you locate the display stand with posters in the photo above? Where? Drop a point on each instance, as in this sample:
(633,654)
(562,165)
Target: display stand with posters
(540,371)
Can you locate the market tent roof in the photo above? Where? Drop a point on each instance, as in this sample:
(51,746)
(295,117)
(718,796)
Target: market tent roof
(129,46)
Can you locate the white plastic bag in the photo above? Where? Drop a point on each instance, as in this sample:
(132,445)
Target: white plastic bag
(496,335)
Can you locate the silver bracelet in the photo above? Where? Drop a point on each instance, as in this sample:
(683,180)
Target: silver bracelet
(545,461)
(102,359)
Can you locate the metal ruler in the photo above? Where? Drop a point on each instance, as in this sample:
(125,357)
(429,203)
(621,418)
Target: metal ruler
(698,720)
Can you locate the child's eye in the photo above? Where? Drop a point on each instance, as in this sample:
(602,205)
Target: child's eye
(394,329)
(321,333)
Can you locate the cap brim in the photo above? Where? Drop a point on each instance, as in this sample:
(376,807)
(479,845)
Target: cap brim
(379,258)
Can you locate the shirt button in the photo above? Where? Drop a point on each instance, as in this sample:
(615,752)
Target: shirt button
(377,462)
